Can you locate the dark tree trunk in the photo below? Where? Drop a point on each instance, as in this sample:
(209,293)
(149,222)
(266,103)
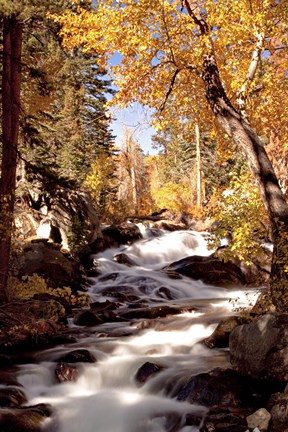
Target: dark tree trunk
(258,161)
(261,167)
(11,74)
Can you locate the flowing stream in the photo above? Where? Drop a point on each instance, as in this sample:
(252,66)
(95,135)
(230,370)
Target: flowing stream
(106,397)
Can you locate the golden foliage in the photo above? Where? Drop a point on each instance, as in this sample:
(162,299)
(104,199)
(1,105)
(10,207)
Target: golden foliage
(161,44)
(30,285)
(240,214)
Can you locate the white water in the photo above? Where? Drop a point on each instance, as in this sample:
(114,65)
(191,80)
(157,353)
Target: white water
(106,396)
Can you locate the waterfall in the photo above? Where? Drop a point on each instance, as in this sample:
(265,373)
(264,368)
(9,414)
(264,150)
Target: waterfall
(106,397)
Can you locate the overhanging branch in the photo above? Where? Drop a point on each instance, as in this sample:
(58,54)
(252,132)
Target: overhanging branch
(170,89)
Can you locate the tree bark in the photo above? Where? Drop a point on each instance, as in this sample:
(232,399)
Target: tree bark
(11,76)
(261,167)
(247,140)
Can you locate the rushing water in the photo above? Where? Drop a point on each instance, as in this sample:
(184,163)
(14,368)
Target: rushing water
(106,397)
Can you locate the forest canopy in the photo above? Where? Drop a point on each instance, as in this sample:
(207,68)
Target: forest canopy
(214,75)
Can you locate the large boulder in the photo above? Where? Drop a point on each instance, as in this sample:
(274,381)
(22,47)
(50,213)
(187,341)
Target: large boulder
(46,260)
(260,348)
(68,218)
(278,407)
(209,269)
(221,387)
(116,235)
(220,336)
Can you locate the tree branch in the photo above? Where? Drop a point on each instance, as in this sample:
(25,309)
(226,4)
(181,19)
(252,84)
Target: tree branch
(242,93)
(170,89)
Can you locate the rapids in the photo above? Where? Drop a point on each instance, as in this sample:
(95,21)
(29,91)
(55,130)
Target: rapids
(106,397)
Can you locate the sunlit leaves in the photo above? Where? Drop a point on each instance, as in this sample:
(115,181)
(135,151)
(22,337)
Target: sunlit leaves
(240,215)
(157,38)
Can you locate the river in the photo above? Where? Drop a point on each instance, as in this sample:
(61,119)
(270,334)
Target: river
(106,397)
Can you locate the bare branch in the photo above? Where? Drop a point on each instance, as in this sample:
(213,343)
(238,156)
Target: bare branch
(170,89)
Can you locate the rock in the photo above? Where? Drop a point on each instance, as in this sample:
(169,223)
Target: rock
(87,318)
(122,258)
(58,217)
(223,387)
(70,212)
(29,324)
(263,303)
(170,226)
(224,421)
(256,273)
(80,355)
(210,270)
(8,379)
(12,397)
(146,370)
(192,419)
(116,235)
(220,336)
(5,361)
(259,419)
(100,307)
(278,407)
(152,312)
(260,348)
(122,293)
(45,260)
(24,419)
(66,372)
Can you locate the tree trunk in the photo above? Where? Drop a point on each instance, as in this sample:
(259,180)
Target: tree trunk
(258,161)
(198,167)
(261,167)
(11,74)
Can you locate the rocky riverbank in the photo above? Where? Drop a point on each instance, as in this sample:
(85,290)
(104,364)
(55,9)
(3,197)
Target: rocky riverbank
(252,394)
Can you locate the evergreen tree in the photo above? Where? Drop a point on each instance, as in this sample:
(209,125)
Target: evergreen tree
(57,109)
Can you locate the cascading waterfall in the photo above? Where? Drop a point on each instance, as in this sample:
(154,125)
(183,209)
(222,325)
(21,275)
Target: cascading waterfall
(106,397)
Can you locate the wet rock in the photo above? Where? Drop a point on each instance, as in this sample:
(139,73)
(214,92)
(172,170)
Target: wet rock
(151,312)
(24,419)
(172,422)
(223,387)
(122,258)
(259,419)
(220,337)
(66,372)
(146,371)
(63,339)
(260,348)
(122,293)
(210,270)
(8,378)
(12,397)
(192,419)
(98,307)
(224,422)
(80,355)
(165,292)
(87,318)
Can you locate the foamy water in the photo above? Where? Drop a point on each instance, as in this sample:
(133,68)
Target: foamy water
(106,397)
